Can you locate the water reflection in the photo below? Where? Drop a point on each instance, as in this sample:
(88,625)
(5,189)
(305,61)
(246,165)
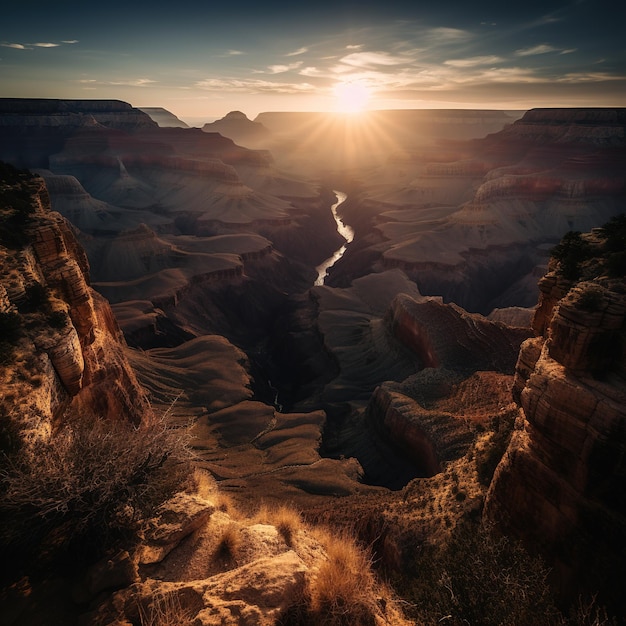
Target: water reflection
(345,231)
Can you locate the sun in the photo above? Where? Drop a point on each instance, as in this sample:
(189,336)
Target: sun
(351,97)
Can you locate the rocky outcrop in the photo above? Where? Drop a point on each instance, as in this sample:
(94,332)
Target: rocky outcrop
(233,571)
(444,335)
(42,112)
(72,352)
(561,483)
(419,415)
(240,129)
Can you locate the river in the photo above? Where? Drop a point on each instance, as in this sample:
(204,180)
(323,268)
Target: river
(345,231)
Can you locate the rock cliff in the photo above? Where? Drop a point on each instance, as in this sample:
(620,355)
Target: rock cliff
(561,484)
(62,350)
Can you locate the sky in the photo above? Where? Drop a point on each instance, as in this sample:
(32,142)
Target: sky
(201,61)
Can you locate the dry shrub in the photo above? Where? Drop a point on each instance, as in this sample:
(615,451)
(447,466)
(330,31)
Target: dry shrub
(479,577)
(343,591)
(229,544)
(90,485)
(287,521)
(166,610)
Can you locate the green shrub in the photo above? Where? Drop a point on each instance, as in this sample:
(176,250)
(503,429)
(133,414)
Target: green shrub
(614,231)
(571,252)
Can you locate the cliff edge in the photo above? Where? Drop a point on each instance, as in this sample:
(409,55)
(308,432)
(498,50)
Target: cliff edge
(562,481)
(61,350)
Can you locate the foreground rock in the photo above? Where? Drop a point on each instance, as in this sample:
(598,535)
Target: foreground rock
(203,565)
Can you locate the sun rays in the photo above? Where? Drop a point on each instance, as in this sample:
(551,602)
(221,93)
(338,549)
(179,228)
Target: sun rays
(351,97)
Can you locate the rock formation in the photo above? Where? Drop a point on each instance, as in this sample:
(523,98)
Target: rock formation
(164,118)
(561,483)
(64,353)
(240,129)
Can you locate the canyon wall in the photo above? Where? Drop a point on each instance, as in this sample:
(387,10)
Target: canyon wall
(62,351)
(470,221)
(562,482)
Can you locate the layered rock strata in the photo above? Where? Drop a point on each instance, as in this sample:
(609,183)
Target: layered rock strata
(65,353)
(471,224)
(561,483)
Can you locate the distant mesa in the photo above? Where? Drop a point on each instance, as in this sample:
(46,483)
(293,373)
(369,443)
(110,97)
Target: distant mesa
(42,112)
(239,128)
(164,118)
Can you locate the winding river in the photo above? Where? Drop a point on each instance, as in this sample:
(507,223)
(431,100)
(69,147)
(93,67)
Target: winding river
(345,231)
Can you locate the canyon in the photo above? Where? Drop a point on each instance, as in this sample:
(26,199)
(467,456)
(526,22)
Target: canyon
(183,266)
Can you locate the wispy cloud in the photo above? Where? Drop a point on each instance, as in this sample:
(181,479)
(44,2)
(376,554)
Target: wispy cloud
(232,53)
(135,82)
(281,69)
(540,49)
(372,59)
(590,77)
(474,61)
(40,44)
(297,52)
(256,86)
(311,71)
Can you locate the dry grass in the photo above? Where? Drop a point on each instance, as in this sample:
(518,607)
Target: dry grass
(343,591)
(166,610)
(287,521)
(229,545)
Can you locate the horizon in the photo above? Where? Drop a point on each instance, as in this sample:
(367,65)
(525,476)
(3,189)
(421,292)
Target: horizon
(200,62)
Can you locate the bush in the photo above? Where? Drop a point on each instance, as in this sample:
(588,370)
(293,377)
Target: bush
(36,299)
(343,591)
(286,520)
(479,578)
(571,252)
(58,319)
(487,458)
(89,486)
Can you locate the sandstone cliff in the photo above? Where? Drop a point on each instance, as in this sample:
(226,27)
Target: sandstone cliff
(561,483)
(63,352)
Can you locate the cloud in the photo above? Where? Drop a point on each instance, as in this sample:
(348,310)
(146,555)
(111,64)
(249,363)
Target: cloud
(540,49)
(474,61)
(372,59)
(311,71)
(253,86)
(232,53)
(281,69)
(297,52)
(30,46)
(589,77)
(136,82)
